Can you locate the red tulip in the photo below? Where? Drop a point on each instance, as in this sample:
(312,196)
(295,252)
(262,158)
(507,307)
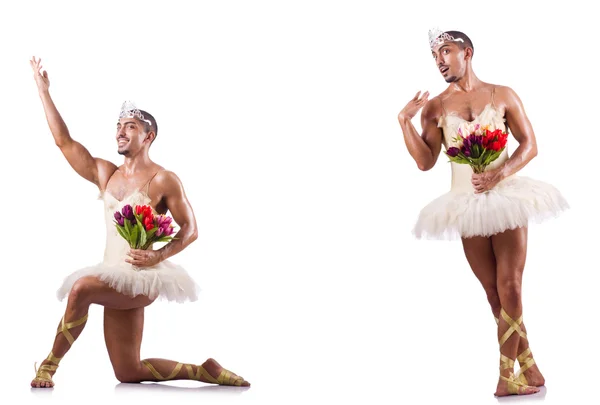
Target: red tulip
(149,223)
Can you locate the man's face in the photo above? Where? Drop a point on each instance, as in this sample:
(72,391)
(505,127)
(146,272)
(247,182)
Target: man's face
(130,136)
(450,60)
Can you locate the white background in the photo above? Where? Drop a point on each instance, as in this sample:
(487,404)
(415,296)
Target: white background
(280,119)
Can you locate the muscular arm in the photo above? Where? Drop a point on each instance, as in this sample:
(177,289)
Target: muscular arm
(424,148)
(98,171)
(181,211)
(92,169)
(521,128)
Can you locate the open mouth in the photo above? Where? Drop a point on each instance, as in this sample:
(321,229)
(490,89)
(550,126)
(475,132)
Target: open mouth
(122,141)
(444,69)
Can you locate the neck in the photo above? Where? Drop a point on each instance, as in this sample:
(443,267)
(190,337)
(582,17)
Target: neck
(136,163)
(467,83)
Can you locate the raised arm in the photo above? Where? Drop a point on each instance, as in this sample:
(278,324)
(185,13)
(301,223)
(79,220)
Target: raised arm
(96,170)
(424,148)
(521,128)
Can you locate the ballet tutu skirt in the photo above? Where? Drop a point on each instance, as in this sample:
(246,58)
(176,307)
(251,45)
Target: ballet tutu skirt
(514,202)
(165,280)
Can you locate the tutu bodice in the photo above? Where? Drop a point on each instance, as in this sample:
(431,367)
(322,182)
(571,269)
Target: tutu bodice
(116,248)
(450,124)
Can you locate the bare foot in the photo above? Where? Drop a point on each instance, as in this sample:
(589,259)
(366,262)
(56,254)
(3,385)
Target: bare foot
(502,389)
(534,376)
(215,369)
(42,375)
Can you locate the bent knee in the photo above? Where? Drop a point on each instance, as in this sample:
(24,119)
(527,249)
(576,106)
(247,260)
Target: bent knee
(491,291)
(83,288)
(127,378)
(493,297)
(128,374)
(509,288)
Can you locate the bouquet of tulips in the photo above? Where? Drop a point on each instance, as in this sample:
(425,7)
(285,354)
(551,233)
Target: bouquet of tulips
(477,146)
(140,227)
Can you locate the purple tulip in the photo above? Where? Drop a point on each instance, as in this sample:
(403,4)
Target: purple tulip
(474,140)
(164,220)
(453,151)
(466,151)
(128,213)
(119,218)
(159,232)
(168,231)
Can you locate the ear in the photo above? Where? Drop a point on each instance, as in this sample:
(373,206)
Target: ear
(468,53)
(150,136)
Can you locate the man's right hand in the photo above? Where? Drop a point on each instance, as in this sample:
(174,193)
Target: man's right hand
(413,106)
(96,170)
(41,77)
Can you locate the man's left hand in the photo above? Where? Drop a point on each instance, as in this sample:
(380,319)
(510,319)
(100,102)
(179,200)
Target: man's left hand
(143,258)
(485,181)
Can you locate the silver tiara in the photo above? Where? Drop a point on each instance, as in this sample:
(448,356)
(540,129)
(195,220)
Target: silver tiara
(129,110)
(437,37)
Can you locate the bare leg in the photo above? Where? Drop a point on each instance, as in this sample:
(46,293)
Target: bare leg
(123,323)
(480,255)
(123,330)
(482,260)
(86,291)
(510,249)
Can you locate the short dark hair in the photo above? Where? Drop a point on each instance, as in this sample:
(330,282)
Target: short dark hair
(466,41)
(153,127)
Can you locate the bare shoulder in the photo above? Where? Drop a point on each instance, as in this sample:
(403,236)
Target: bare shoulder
(433,108)
(105,171)
(506,95)
(168,182)
(105,164)
(502,90)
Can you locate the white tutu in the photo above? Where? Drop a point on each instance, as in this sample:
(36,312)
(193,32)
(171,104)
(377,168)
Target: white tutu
(513,203)
(165,281)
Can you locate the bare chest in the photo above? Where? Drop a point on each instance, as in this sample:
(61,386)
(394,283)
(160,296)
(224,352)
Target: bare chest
(468,110)
(122,187)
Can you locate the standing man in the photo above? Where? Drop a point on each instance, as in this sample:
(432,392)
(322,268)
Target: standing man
(490,211)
